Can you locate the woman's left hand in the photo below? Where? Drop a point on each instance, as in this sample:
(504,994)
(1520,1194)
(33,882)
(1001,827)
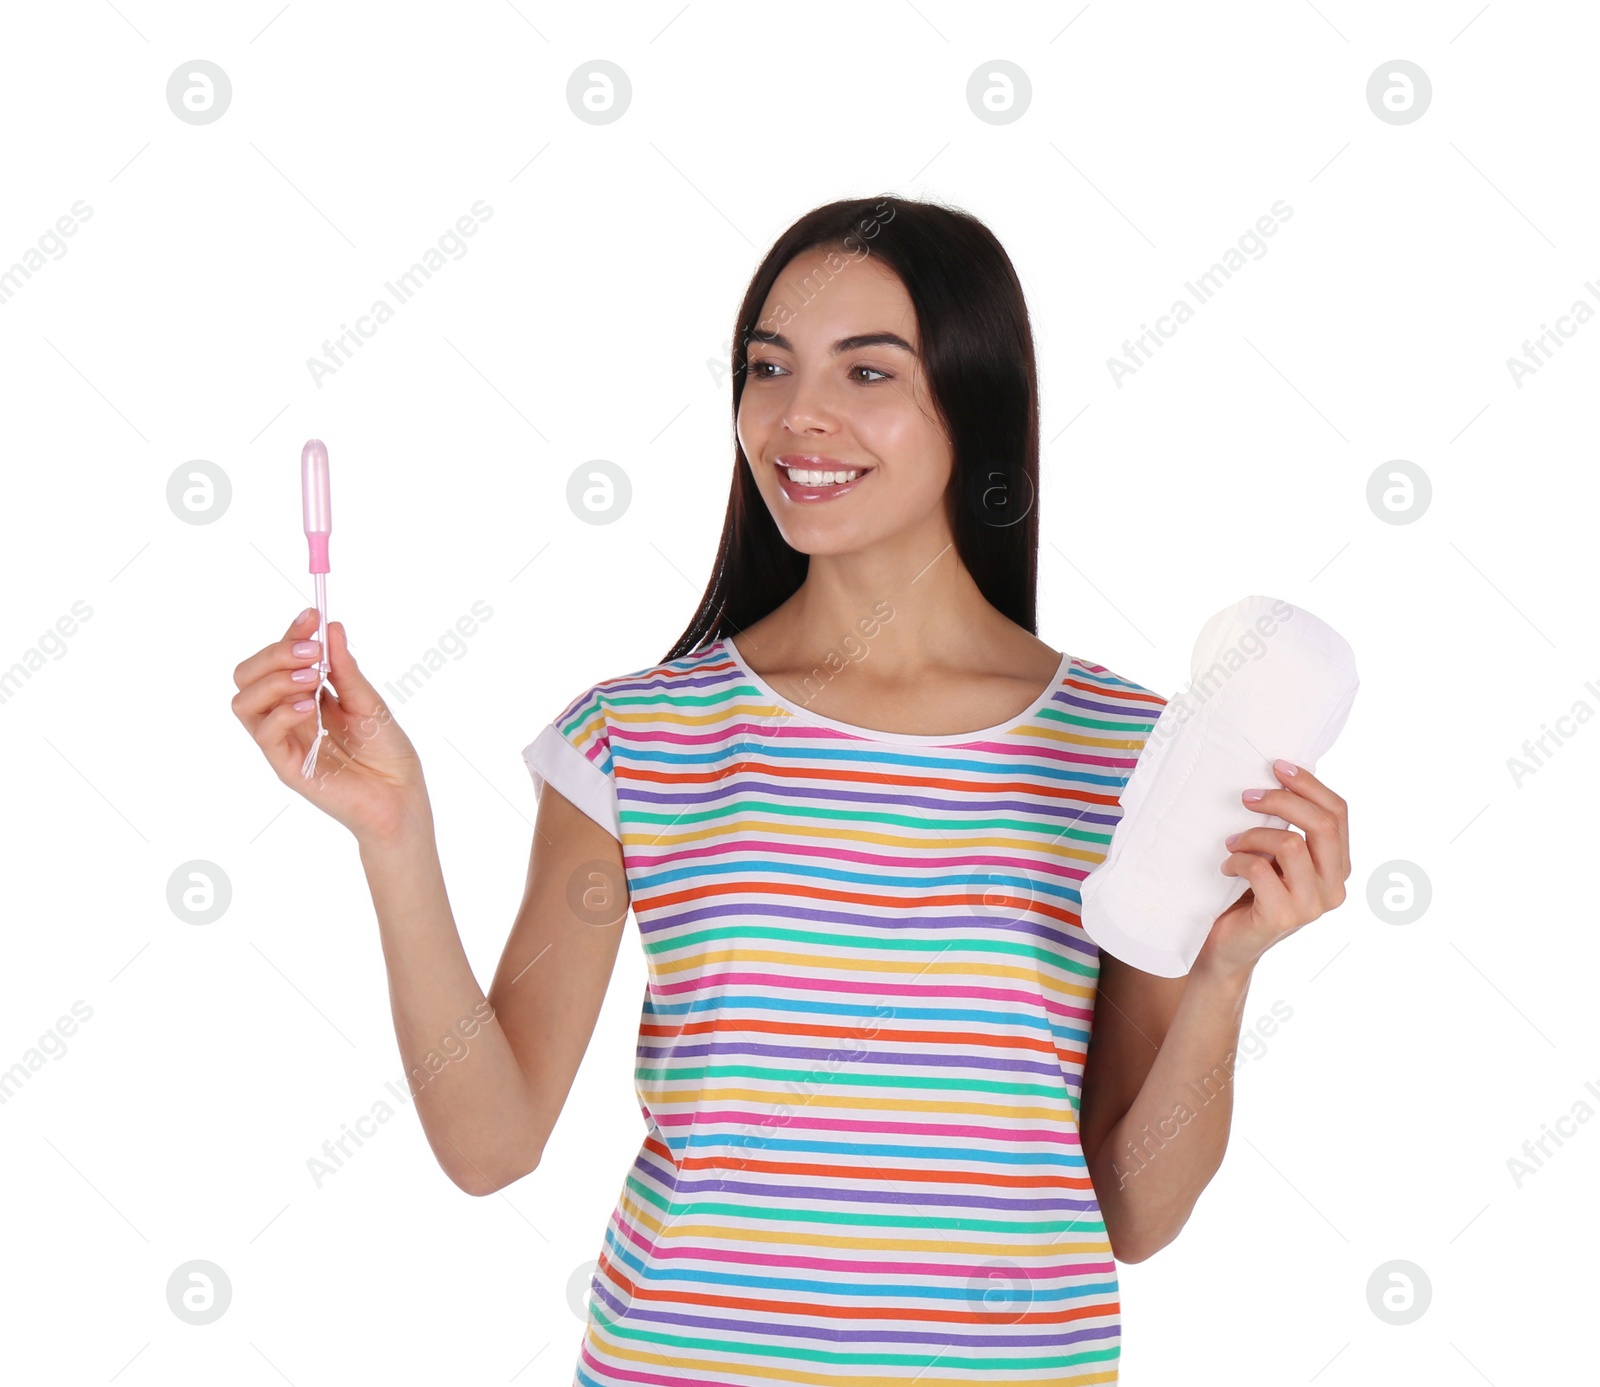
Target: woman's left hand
(1292,879)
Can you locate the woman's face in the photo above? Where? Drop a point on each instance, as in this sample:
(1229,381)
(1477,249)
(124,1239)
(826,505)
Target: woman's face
(834,383)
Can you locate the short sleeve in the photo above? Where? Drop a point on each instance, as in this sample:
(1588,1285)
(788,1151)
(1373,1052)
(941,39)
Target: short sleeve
(573,753)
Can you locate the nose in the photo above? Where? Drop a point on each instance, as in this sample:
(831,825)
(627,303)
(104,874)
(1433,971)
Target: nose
(809,410)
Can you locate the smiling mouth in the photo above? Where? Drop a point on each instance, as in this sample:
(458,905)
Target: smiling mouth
(820,476)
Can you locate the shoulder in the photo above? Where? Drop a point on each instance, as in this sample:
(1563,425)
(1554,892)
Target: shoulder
(634,694)
(614,718)
(1116,690)
(1120,710)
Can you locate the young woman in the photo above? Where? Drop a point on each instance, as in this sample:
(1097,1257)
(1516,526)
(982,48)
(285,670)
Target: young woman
(901,1114)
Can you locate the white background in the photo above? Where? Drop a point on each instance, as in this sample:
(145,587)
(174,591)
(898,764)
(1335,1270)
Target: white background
(589,319)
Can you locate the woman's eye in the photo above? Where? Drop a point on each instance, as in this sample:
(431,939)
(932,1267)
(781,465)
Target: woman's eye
(754,370)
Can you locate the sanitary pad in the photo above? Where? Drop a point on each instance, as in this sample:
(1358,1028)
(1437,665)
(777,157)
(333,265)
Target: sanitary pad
(1267,679)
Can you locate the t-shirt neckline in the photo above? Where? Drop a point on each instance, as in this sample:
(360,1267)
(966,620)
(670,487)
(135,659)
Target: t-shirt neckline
(871,734)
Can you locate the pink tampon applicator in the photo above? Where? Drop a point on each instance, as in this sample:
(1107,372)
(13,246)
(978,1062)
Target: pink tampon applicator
(318,522)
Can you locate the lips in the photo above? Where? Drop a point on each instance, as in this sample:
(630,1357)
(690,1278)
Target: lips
(807,494)
(817,462)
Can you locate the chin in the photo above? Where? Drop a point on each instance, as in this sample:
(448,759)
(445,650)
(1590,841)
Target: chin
(823,540)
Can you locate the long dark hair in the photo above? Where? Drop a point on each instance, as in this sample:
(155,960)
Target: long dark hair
(977,353)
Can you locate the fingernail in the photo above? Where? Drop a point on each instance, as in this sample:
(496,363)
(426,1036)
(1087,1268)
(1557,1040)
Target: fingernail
(309,611)
(1287,767)
(1233,838)
(1251,796)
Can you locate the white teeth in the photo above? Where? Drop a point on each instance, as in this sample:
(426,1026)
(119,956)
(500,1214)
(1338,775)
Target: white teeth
(820,478)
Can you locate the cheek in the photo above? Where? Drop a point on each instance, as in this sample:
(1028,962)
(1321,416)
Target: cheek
(758,416)
(749,427)
(898,416)
(915,446)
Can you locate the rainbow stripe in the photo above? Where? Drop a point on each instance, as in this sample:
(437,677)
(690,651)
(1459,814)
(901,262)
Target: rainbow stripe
(862,1043)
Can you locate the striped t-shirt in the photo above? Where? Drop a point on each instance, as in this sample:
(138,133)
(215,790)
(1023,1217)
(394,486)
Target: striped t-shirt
(863,1036)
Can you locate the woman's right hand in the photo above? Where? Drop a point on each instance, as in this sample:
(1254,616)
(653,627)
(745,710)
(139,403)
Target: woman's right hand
(368,775)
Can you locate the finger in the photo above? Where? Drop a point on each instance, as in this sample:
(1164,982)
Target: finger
(1272,899)
(284,736)
(306,620)
(1260,840)
(1297,870)
(1305,784)
(357,697)
(1326,829)
(1296,859)
(276,655)
(1290,855)
(254,701)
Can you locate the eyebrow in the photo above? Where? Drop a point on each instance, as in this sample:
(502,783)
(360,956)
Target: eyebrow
(844,344)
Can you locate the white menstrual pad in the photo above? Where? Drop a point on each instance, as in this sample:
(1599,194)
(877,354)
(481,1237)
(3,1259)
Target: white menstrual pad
(1267,680)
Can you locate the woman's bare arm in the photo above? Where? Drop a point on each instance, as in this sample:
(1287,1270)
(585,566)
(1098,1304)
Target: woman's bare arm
(1157,1100)
(1163,1051)
(490,1074)
(559,959)
(488,1089)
